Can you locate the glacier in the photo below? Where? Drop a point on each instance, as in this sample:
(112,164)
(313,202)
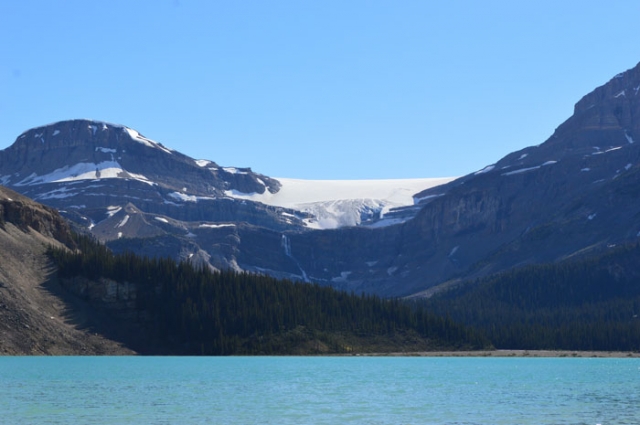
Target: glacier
(340,203)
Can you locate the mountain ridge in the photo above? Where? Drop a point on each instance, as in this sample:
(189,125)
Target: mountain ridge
(571,195)
(179,178)
(113,182)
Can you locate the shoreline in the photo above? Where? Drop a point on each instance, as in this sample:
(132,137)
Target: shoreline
(511,353)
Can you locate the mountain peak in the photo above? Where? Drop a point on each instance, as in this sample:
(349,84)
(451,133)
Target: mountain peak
(622,88)
(83,132)
(605,120)
(82,149)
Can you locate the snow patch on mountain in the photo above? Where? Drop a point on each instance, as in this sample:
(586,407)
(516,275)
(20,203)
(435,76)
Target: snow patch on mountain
(183,197)
(147,142)
(629,138)
(424,198)
(83,171)
(524,170)
(234,170)
(216,226)
(113,210)
(60,193)
(124,221)
(202,162)
(344,276)
(485,169)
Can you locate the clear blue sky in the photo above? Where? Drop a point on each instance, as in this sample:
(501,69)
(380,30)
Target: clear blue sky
(325,89)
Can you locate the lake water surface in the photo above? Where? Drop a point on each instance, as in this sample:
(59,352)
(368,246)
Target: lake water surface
(318,390)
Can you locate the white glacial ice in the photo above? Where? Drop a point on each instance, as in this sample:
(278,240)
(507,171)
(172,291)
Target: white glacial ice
(337,203)
(295,192)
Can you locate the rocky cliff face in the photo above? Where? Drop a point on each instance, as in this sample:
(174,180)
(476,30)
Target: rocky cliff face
(571,195)
(118,298)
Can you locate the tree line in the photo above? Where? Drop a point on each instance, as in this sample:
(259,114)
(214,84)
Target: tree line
(201,311)
(588,304)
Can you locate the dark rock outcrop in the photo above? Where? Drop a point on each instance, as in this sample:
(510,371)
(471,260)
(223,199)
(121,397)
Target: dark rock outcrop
(26,214)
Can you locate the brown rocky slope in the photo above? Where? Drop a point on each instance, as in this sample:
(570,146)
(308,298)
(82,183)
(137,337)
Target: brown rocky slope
(36,316)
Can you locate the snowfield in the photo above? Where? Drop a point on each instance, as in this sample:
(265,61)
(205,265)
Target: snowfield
(83,171)
(338,203)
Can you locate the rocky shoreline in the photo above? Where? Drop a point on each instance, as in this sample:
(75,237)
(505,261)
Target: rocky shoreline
(514,353)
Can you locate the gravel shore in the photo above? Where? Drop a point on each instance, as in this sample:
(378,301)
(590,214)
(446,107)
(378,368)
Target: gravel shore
(515,353)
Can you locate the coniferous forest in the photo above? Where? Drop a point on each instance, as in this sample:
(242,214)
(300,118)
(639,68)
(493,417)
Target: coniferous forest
(589,304)
(185,310)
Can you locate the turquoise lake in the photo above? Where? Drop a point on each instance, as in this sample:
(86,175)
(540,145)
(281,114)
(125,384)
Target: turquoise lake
(318,390)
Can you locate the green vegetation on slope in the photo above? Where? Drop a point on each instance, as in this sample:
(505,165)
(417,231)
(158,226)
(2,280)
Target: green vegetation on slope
(192,311)
(591,304)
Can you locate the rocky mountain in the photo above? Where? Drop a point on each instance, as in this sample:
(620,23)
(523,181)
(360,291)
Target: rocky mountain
(116,183)
(35,315)
(572,196)
(112,181)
